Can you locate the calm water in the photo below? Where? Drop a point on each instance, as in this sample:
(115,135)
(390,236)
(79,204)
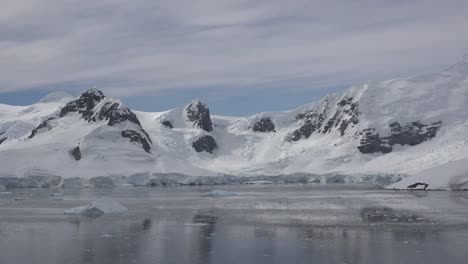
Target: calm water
(261,224)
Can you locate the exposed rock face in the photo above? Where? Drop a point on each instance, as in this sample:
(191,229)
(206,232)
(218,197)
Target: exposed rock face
(205,143)
(312,121)
(45,125)
(92,108)
(198,113)
(76,153)
(345,114)
(411,134)
(116,114)
(2,140)
(167,124)
(264,125)
(371,142)
(319,121)
(136,137)
(83,105)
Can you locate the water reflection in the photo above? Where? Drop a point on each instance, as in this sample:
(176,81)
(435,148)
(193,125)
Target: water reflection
(386,214)
(208,219)
(327,228)
(141,241)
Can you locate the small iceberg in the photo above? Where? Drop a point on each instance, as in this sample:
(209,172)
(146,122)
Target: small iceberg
(98,208)
(219,193)
(259,182)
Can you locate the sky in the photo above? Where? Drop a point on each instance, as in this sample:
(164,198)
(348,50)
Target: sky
(240,57)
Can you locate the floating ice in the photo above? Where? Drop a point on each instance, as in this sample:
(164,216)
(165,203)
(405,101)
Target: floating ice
(219,193)
(98,208)
(74,182)
(259,182)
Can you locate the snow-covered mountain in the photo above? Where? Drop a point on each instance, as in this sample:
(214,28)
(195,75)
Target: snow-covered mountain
(399,126)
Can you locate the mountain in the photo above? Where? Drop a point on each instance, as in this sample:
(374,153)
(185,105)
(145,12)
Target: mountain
(400,126)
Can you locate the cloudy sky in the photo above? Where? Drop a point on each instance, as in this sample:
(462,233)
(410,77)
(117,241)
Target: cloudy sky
(238,56)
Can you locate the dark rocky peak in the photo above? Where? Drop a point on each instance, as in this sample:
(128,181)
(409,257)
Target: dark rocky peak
(117,113)
(93,94)
(412,134)
(93,106)
(83,105)
(205,143)
(264,125)
(113,110)
(2,140)
(199,114)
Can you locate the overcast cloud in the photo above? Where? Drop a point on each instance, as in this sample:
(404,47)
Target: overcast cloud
(132,48)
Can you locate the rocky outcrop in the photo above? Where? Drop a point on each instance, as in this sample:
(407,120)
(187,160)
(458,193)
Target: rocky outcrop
(45,125)
(93,106)
(312,121)
(117,113)
(264,125)
(167,124)
(83,105)
(371,142)
(346,113)
(413,133)
(76,153)
(199,114)
(2,139)
(205,143)
(136,137)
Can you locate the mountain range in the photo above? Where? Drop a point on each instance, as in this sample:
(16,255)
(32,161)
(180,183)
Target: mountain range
(398,127)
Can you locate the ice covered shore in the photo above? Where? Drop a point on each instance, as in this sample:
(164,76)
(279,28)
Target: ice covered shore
(449,176)
(174,179)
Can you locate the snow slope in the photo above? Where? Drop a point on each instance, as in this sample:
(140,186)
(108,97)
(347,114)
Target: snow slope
(318,138)
(452,175)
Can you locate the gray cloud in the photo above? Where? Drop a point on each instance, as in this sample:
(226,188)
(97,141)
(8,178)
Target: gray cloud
(136,47)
